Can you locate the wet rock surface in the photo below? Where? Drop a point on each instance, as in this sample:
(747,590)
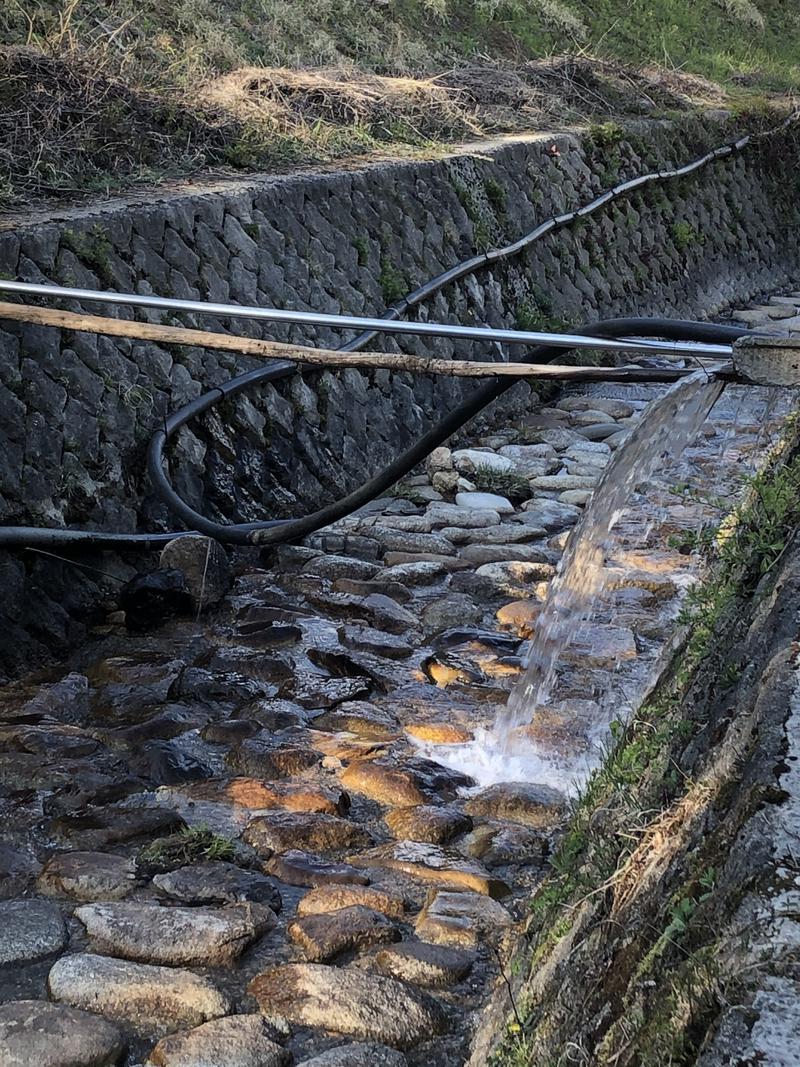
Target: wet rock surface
(424,964)
(358,1054)
(150,999)
(349,1002)
(89,876)
(150,933)
(325,935)
(237,1041)
(30,930)
(51,1035)
(278,795)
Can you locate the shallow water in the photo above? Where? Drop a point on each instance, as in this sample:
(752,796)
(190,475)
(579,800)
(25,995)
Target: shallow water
(667,427)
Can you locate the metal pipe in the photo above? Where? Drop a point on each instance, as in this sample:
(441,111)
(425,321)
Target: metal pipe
(275,531)
(357,322)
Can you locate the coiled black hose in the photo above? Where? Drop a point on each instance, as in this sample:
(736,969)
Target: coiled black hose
(275,531)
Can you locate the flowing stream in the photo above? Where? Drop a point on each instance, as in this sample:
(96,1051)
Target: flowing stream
(667,427)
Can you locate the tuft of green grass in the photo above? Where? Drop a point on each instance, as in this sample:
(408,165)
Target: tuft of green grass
(393,284)
(685,236)
(506,483)
(192,845)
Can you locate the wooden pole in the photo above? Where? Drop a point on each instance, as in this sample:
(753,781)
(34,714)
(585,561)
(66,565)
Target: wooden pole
(457,368)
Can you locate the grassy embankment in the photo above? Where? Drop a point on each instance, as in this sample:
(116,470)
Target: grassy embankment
(97,96)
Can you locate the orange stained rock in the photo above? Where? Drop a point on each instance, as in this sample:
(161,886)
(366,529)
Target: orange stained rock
(520,616)
(440,733)
(257,794)
(443,674)
(345,746)
(326,898)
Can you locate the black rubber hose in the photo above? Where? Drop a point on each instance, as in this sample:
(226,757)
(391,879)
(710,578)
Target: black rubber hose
(275,531)
(283,530)
(278,531)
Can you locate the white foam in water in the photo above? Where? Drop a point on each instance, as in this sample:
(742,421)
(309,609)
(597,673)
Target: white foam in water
(502,754)
(487,761)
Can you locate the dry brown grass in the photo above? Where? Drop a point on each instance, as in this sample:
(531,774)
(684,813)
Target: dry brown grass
(294,100)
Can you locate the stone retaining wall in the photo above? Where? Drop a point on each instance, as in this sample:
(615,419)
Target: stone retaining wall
(77,410)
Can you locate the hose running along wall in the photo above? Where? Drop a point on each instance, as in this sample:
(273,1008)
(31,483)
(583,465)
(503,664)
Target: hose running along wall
(276,531)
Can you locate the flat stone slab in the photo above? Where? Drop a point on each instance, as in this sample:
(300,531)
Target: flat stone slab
(408,541)
(217,882)
(468,460)
(617,409)
(498,845)
(281,831)
(386,783)
(560,483)
(113,824)
(485,501)
(440,733)
(468,517)
(464,919)
(30,930)
(537,806)
(305,869)
(256,794)
(531,461)
(340,567)
(520,616)
(424,964)
(347,1001)
(517,579)
(89,876)
(430,823)
(361,718)
(510,533)
(328,898)
(480,554)
(149,933)
(376,642)
(323,936)
(429,863)
(595,645)
(236,1041)
(263,759)
(36,1033)
(148,998)
(357,1054)
(426,572)
(599,431)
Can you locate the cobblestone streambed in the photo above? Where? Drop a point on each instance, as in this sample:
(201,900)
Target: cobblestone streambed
(263,835)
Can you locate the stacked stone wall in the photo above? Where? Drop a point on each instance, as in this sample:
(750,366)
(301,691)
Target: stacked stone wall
(76,411)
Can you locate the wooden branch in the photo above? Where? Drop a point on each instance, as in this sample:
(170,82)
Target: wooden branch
(268,350)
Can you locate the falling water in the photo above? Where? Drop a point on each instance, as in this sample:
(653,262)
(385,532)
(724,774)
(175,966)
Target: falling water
(666,428)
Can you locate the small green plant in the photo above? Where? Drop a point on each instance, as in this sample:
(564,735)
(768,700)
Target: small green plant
(536,314)
(403,491)
(685,236)
(604,134)
(190,845)
(361,245)
(391,281)
(496,195)
(481,226)
(93,248)
(489,480)
(687,541)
